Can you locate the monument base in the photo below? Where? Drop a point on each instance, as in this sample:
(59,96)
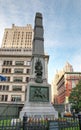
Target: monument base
(38,102)
(39,110)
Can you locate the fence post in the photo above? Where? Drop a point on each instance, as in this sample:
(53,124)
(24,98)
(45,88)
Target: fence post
(79,117)
(25,121)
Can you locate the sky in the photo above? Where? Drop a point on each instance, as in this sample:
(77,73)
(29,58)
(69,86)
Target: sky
(62,28)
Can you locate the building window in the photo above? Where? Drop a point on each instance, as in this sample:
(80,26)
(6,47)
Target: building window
(4,87)
(15,98)
(27,79)
(28,71)
(3,97)
(73,84)
(17,79)
(19,63)
(7,79)
(6,70)
(17,88)
(7,63)
(19,71)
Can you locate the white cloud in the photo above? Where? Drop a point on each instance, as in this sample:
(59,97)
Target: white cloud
(51,44)
(3,24)
(76,61)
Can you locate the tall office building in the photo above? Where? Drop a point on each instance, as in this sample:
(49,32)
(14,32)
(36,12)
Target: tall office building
(18,37)
(15,65)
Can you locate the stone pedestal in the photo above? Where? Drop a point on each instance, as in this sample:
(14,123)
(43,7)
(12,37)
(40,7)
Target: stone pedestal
(38,103)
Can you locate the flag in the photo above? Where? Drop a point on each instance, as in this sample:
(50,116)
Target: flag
(2,78)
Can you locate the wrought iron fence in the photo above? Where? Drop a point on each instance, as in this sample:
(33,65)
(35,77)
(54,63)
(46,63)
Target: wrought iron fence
(10,123)
(69,124)
(14,123)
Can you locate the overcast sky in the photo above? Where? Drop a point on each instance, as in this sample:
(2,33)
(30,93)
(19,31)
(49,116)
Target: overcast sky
(62,28)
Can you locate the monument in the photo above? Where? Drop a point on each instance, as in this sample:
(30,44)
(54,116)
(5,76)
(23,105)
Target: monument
(38,98)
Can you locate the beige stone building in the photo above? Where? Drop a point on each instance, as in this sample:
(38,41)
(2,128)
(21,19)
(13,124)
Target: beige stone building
(18,37)
(15,64)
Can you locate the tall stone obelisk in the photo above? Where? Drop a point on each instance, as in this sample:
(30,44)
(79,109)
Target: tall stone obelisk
(38,98)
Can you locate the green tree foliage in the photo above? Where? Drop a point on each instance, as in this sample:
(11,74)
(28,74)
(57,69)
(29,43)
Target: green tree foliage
(75,97)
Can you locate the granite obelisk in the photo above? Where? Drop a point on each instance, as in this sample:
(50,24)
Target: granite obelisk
(38,98)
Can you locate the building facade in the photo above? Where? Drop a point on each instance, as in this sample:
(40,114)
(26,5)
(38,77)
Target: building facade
(18,37)
(15,64)
(66,80)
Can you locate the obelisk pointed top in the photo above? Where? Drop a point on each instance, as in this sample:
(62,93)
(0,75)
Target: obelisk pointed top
(39,14)
(38,41)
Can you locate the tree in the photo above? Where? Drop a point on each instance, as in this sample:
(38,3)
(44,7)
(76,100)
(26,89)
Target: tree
(75,97)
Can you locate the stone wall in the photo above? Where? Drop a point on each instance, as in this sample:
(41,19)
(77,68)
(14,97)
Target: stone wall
(10,109)
(59,107)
